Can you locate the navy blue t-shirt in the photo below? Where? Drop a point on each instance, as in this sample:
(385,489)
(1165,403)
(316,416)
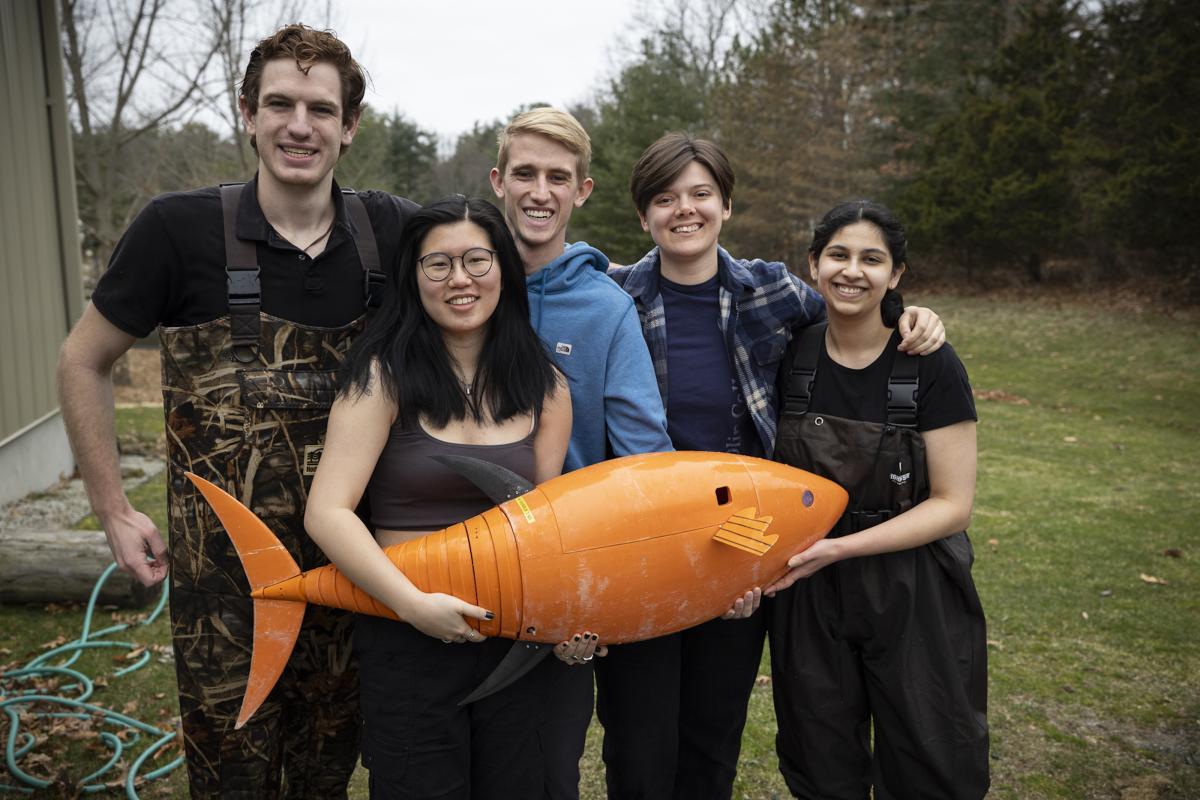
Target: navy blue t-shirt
(705,407)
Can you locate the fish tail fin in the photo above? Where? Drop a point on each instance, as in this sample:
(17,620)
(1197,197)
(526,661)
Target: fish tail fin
(276,626)
(266,562)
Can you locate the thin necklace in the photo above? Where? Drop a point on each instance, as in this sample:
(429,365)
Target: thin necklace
(322,236)
(465,384)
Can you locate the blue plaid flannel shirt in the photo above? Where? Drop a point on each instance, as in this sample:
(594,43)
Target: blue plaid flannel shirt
(761,302)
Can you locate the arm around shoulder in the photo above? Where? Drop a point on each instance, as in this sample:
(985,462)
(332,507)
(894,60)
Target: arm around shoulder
(812,304)
(922,331)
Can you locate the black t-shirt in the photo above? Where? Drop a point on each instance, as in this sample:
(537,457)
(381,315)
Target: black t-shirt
(169,267)
(943,392)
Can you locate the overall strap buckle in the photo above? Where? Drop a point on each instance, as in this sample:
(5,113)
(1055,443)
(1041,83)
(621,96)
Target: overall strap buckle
(903,385)
(243,288)
(801,374)
(373,282)
(374,278)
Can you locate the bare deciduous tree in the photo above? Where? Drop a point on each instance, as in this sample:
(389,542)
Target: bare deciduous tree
(139,73)
(132,67)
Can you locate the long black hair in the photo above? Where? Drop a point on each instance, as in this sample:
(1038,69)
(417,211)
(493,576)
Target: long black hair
(514,373)
(843,214)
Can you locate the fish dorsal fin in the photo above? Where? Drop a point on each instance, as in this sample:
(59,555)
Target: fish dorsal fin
(746,531)
(498,483)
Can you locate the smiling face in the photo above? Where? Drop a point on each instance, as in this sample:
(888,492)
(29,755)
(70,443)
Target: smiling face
(685,218)
(854,270)
(540,187)
(461,305)
(297,126)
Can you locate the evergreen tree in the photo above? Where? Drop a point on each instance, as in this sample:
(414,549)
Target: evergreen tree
(1139,157)
(465,170)
(660,91)
(935,55)
(391,154)
(797,117)
(995,182)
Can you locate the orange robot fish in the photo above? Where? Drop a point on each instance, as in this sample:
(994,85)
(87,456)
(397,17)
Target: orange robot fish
(629,549)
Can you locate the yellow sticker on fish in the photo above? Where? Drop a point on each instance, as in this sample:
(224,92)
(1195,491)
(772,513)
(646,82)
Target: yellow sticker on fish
(521,504)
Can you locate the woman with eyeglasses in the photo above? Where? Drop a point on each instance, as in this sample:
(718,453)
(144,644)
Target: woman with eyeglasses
(448,365)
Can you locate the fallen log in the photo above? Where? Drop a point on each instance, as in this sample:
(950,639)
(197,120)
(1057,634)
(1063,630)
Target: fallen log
(63,566)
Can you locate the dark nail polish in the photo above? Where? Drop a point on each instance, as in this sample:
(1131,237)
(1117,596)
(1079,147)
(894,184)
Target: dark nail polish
(576,639)
(595,636)
(489,615)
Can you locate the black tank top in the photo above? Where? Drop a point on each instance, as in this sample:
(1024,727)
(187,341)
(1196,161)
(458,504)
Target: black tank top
(410,491)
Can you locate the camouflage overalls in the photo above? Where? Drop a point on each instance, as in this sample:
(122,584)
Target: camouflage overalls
(247,400)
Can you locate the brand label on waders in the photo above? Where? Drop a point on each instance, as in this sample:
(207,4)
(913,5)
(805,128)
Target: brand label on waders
(899,477)
(312,457)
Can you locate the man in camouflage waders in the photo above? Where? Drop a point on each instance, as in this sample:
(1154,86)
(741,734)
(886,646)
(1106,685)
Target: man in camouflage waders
(256,291)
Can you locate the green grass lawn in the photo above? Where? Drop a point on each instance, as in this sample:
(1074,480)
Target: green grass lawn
(1086,544)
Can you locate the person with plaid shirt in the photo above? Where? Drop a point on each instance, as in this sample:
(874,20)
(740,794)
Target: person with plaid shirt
(673,708)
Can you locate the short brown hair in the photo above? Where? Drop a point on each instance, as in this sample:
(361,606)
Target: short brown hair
(662,162)
(307,46)
(554,124)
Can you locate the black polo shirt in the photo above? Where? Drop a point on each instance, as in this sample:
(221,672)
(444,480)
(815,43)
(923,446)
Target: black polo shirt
(169,267)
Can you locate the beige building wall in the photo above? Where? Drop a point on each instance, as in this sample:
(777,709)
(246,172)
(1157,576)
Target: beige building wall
(39,251)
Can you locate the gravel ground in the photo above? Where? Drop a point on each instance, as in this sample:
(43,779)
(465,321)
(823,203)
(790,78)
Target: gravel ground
(63,505)
(136,380)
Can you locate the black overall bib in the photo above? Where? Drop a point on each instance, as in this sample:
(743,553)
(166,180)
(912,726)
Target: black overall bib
(896,639)
(247,399)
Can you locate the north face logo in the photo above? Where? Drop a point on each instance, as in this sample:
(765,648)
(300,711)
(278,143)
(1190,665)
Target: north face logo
(563,349)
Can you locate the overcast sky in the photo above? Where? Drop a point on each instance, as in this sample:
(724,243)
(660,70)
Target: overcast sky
(447,63)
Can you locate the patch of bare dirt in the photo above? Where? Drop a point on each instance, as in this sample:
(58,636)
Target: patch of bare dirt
(1144,762)
(1001,396)
(1145,787)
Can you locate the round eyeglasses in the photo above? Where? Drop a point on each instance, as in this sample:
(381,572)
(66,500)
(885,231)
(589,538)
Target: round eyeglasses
(477,262)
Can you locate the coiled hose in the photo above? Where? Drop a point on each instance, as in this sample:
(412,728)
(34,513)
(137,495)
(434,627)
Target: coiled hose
(13,699)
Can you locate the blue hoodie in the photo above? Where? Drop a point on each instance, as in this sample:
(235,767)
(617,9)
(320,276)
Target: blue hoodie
(592,328)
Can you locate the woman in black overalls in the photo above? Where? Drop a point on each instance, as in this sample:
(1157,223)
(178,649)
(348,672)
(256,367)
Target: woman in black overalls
(878,646)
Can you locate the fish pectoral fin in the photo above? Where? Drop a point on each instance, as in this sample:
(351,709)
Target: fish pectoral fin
(746,531)
(498,483)
(520,659)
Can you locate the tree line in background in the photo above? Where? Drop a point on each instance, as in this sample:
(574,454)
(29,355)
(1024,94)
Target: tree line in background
(1008,134)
